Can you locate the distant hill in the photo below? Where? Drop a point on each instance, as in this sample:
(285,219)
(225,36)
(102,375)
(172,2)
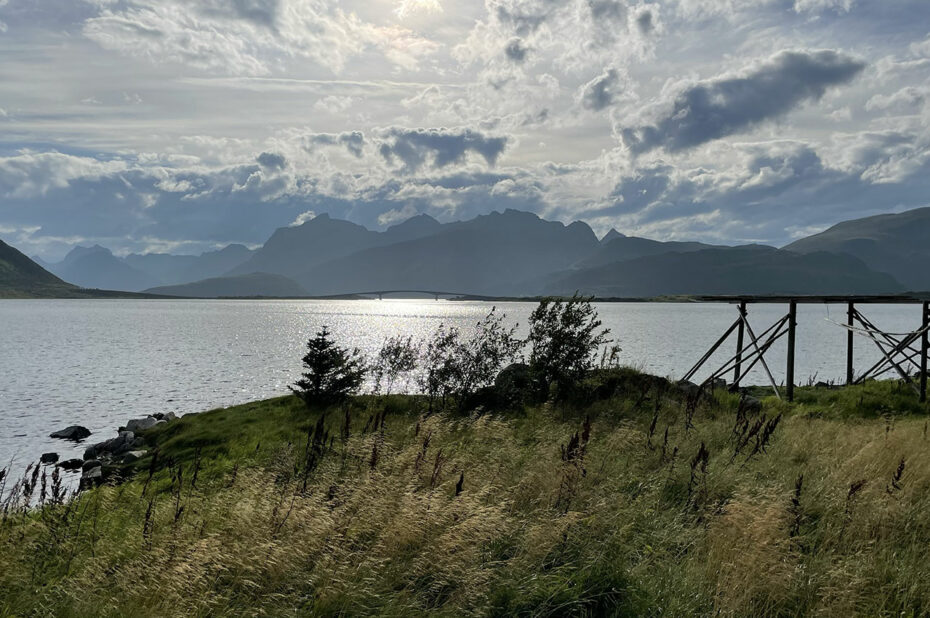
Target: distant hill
(20,277)
(724,271)
(97,267)
(170,269)
(494,254)
(620,248)
(897,244)
(241,286)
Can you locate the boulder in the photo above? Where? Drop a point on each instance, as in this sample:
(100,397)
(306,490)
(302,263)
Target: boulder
(91,477)
(74,432)
(751,404)
(141,424)
(49,458)
(126,441)
(91,463)
(71,464)
(166,416)
(688,389)
(132,456)
(515,385)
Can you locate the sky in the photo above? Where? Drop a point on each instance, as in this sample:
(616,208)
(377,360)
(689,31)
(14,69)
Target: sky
(183,125)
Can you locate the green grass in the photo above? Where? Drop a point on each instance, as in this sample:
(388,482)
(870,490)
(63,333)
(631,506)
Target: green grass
(625,527)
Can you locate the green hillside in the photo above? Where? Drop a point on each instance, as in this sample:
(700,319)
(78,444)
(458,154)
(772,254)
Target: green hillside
(20,277)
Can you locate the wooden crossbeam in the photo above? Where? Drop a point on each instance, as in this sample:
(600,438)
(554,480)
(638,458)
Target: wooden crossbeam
(755,344)
(728,366)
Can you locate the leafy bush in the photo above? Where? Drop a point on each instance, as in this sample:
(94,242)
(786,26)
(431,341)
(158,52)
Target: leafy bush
(398,356)
(564,338)
(459,368)
(333,373)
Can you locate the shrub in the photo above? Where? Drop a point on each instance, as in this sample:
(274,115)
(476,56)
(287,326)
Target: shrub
(564,338)
(397,357)
(333,373)
(459,368)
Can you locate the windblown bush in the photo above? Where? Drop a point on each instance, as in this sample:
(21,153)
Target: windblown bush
(458,368)
(397,357)
(564,339)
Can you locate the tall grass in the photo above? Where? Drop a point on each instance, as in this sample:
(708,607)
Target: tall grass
(626,505)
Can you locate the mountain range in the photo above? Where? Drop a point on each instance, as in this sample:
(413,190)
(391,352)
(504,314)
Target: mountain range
(22,277)
(511,253)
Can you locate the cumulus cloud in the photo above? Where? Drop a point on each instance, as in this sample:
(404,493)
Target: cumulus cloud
(725,105)
(353,141)
(516,50)
(602,91)
(272,161)
(905,99)
(437,148)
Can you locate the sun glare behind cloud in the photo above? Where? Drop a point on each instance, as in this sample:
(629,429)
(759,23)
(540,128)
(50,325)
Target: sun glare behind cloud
(406,8)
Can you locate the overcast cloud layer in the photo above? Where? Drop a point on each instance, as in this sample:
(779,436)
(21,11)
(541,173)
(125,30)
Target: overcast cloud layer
(183,125)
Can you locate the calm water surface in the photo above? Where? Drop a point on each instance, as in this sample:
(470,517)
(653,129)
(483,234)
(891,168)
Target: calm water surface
(100,363)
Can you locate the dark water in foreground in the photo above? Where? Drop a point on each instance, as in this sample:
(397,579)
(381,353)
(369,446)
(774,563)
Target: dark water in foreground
(99,363)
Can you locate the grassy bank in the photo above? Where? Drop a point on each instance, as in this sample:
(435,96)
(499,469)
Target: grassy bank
(632,501)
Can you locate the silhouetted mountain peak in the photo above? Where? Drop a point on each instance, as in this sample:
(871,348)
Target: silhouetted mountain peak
(79,252)
(613,233)
(421,220)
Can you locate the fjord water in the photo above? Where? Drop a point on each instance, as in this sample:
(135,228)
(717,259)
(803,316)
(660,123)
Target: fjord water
(100,363)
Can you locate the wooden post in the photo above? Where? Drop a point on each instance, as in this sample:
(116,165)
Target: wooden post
(924,344)
(792,323)
(850,313)
(739,344)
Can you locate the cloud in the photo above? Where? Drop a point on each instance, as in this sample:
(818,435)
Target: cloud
(353,141)
(248,37)
(437,148)
(644,22)
(397,215)
(602,91)
(303,218)
(905,99)
(406,8)
(726,105)
(272,161)
(334,104)
(516,50)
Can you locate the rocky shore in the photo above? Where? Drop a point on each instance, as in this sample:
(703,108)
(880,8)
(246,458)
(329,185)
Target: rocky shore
(104,459)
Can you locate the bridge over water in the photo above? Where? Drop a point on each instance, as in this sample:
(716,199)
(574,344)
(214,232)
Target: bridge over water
(434,293)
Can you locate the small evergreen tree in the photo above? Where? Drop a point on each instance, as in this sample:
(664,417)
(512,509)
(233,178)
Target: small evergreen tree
(333,373)
(564,338)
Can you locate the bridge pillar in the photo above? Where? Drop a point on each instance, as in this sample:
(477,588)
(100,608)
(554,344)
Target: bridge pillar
(792,328)
(738,369)
(924,345)
(850,316)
